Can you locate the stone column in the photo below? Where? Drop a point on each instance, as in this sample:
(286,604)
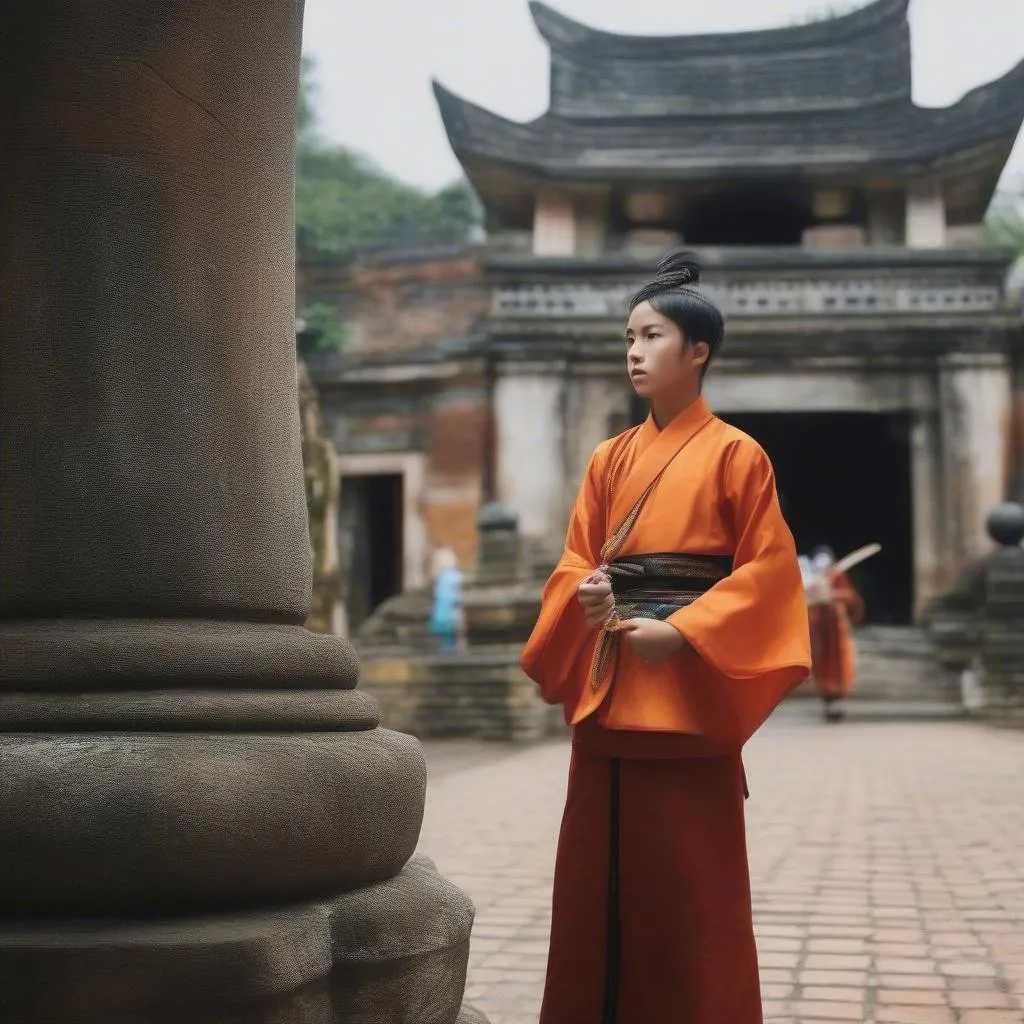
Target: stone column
(529,403)
(201,820)
(1016,453)
(925,226)
(597,405)
(974,397)
(931,575)
(554,224)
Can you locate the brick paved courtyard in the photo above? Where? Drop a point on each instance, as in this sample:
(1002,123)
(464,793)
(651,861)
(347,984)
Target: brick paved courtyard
(887,862)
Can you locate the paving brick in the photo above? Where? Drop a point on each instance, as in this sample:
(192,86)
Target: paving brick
(828,1011)
(833,995)
(837,961)
(990,1017)
(821,945)
(914,1015)
(909,997)
(993,1000)
(905,965)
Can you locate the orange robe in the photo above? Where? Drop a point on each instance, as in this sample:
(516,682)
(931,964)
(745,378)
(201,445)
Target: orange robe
(651,914)
(832,648)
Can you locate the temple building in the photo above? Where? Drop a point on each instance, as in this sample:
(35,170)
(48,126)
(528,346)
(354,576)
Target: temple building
(871,344)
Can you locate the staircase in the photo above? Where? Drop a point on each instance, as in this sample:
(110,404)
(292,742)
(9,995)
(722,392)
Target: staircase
(897,666)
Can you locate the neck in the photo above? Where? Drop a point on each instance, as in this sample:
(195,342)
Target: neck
(665,410)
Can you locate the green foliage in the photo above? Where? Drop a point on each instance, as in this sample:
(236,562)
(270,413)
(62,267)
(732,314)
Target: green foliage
(343,202)
(1005,220)
(321,330)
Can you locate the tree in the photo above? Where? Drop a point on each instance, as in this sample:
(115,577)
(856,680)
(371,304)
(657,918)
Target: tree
(343,202)
(1005,220)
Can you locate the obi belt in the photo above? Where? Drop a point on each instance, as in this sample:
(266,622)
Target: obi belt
(653,586)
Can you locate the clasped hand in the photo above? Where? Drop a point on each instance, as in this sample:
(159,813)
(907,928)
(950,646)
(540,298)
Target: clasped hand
(653,640)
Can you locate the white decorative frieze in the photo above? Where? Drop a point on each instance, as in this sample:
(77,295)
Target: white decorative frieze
(786,297)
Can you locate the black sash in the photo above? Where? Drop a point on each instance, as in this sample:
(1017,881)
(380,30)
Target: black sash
(653,586)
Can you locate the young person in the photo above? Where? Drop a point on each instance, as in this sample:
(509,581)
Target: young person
(672,626)
(446,616)
(834,655)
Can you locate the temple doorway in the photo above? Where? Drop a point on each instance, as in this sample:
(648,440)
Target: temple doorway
(370,522)
(844,479)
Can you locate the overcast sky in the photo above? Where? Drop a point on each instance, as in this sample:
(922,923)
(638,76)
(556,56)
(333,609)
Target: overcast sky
(377,57)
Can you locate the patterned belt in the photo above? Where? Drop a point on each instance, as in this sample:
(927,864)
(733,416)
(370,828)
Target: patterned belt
(652,586)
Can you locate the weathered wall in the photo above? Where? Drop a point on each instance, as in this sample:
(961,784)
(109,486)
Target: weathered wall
(1016,425)
(975,393)
(410,384)
(401,305)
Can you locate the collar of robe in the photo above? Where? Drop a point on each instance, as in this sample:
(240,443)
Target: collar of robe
(655,448)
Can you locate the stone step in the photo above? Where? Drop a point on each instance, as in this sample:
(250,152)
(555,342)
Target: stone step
(899,664)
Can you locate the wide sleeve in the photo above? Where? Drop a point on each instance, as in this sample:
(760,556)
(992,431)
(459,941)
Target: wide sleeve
(753,624)
(561,634)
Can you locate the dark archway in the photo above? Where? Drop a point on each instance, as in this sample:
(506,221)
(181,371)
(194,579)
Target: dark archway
(371,512)
(844,480)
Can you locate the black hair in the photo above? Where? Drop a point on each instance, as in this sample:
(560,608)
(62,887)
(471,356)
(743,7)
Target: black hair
(674,294)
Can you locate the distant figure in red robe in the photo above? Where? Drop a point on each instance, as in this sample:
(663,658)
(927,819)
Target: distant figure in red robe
(673,625)
(834,655)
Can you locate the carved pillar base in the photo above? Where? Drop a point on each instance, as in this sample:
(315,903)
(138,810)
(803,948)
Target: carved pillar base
(393,952)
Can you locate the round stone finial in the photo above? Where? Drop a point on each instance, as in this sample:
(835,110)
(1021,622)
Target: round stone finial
(1005,524)
(497,516)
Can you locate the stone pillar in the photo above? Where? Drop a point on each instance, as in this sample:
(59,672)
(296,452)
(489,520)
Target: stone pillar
(1016,452)
(975,409)
(595,404)
(202,821)
(554,224)
(925,215)
(927,499)
(529,403)
(500,558)
(978,626)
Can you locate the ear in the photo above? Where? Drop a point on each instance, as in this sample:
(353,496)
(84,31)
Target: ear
(701,352)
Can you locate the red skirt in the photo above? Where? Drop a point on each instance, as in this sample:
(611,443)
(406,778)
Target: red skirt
(651,916)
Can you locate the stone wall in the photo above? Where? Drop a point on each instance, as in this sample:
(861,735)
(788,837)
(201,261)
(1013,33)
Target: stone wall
(411,386)
(399,303)
(480,695)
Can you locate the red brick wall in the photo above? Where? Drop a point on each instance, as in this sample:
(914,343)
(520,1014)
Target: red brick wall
(400,307)
(392,312)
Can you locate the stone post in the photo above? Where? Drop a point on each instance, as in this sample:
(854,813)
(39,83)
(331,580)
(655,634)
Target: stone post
(978,626)
(529,403)
(201,820)
(975,390)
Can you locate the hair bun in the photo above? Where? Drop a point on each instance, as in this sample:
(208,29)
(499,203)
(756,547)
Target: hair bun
(679,268)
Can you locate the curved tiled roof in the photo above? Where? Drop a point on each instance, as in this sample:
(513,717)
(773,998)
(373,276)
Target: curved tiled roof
(861,58)
(887,137)
(830,98)
(565,35)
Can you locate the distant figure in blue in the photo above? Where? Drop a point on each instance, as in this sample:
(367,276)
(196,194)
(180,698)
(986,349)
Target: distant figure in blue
(446,617)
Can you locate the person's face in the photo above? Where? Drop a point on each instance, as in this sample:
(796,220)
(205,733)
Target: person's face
(660,361)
